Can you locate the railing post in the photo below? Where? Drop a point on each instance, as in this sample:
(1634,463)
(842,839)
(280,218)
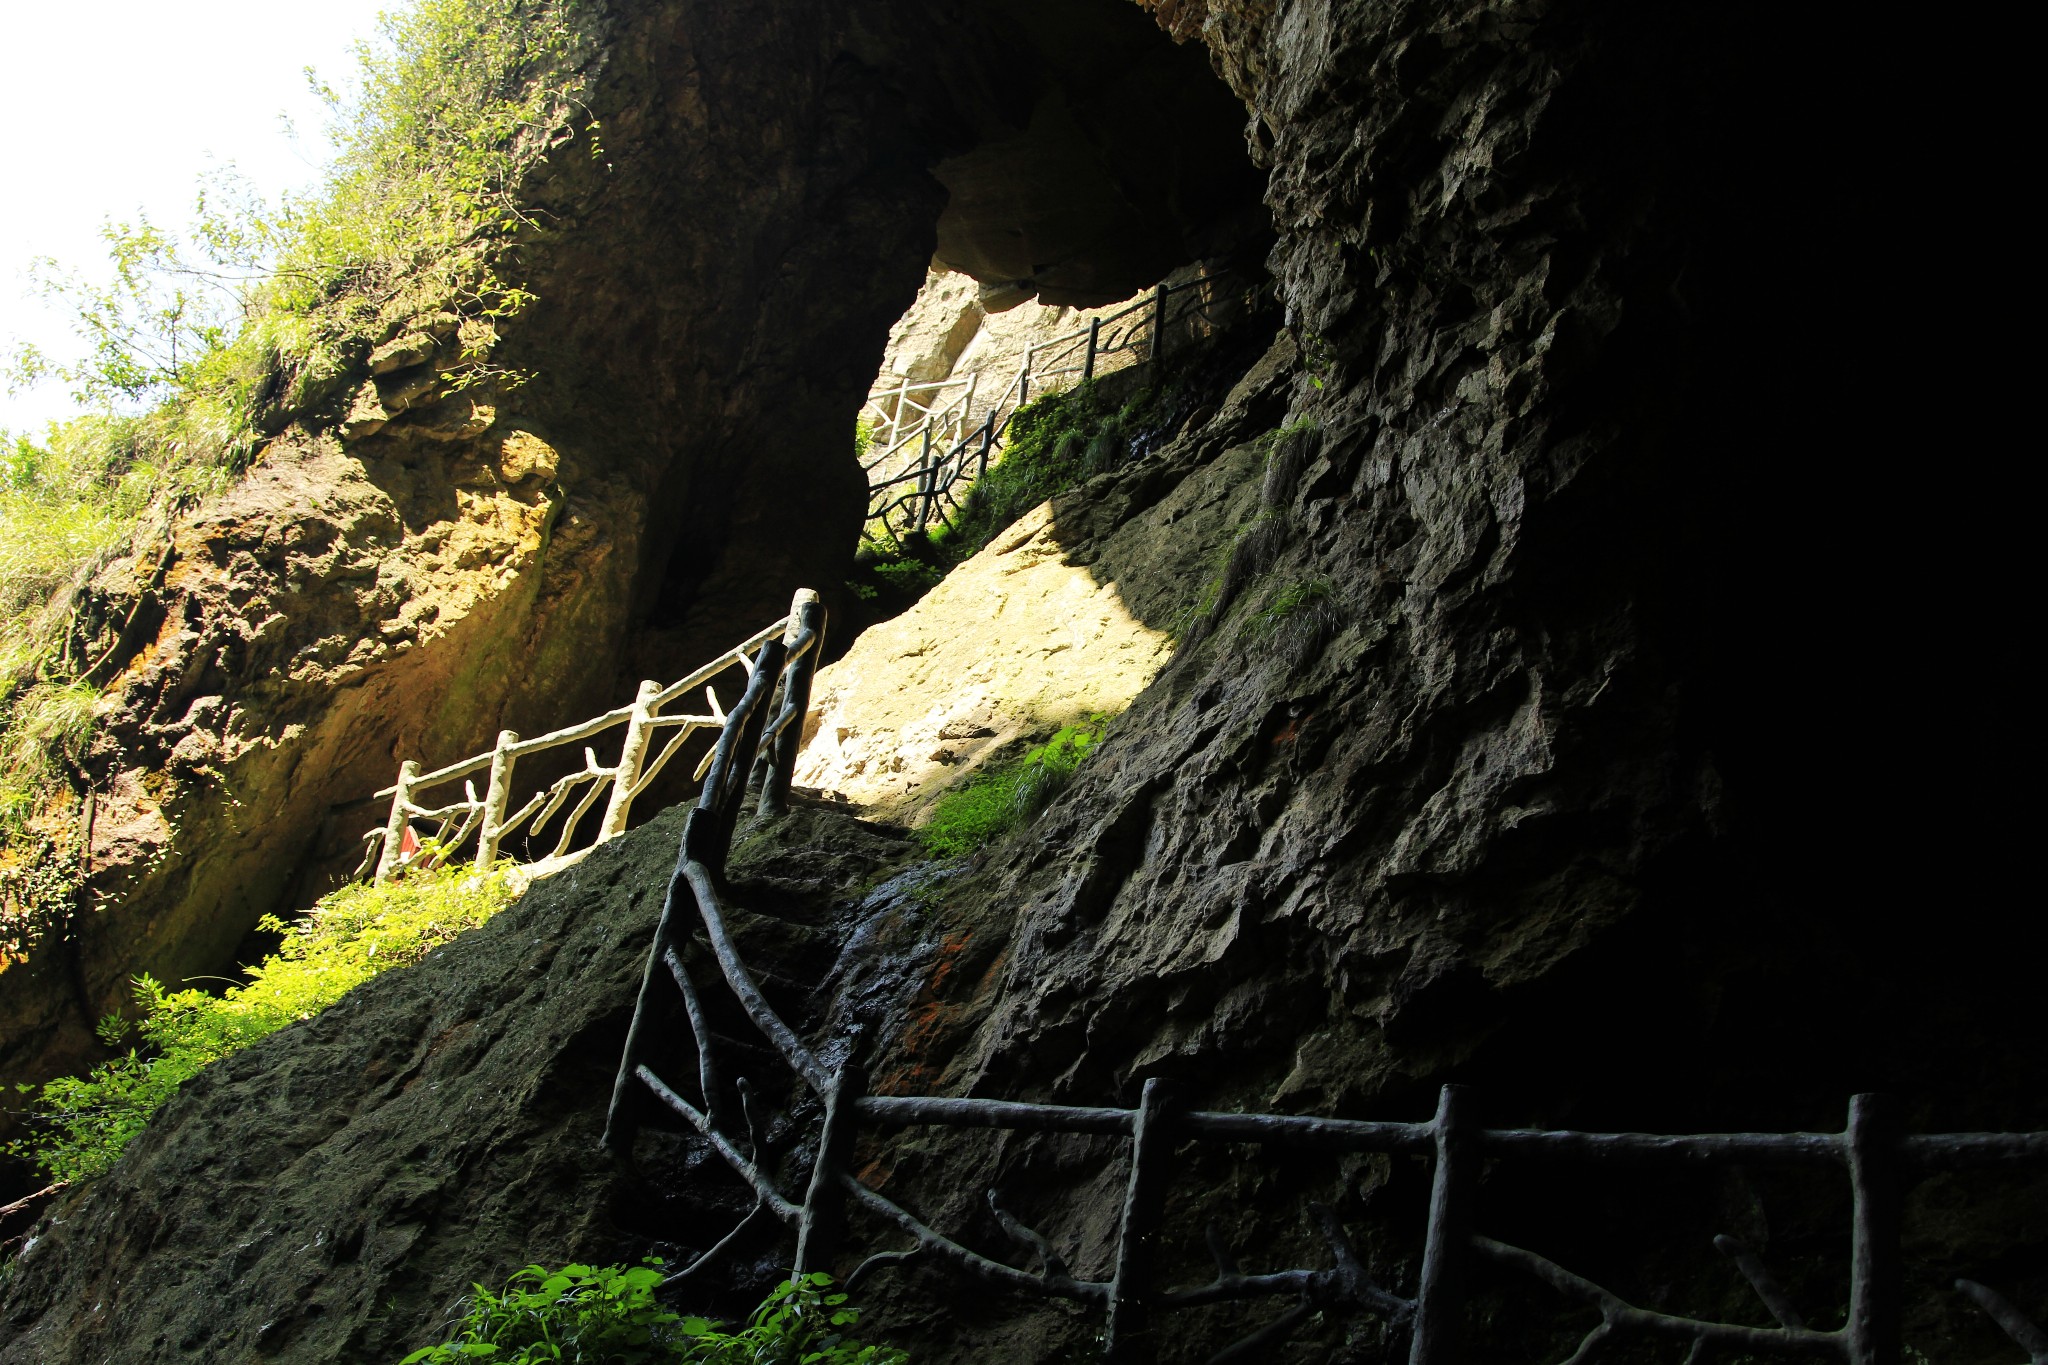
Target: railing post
(823,1223)
(1024,379)
(1088,365)
(806,612)
(632,754)
(394,828)
(725,782)
(925,480)
(988,439)
(1440,1298)
(495,798)
(1876,1279)
(1130,1292)
(1158,324)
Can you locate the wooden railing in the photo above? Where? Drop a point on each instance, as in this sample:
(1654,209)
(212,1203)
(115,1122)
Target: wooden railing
(1880,1161)
(927,436)
(475,828)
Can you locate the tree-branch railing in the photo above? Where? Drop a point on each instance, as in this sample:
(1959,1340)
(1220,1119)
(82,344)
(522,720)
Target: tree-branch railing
(919,465)
(1879,1161)
(477,827)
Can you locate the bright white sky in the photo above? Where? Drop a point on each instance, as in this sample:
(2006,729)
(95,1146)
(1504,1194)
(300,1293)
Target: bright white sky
(115,106)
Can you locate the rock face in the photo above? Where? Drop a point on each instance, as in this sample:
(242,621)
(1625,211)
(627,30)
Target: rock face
(446,1112)
(1068,613)
(1615,757)
(422,564)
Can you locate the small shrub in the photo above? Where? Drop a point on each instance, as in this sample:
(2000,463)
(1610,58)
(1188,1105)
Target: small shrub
(912,577)
(996,800)
(82,1123)
(609,1315)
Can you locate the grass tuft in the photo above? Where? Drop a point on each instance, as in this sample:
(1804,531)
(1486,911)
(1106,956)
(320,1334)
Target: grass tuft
(1001,797)
(610,1315)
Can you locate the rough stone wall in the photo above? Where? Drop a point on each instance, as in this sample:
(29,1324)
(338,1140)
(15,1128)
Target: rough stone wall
(326,1195)
(1589,788)
(1635,775)
(416,567)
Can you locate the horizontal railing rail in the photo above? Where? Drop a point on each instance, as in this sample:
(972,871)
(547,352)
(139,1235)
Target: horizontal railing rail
(476,827)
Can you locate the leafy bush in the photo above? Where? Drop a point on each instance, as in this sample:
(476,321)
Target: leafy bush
(82,1123)
(911,577)
(608,1315)
(63,504)
(995,800)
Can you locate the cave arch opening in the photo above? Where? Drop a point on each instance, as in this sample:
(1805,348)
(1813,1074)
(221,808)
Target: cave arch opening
(773,191)
(1066,155)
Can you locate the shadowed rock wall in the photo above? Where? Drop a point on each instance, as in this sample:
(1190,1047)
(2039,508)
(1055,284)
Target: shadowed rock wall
(415,569)
(1636,774)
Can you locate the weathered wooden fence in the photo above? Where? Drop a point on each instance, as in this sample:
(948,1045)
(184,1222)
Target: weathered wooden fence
(475,828)
(1879,1161)
(928,436)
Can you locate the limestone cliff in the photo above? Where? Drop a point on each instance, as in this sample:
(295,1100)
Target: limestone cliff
(1652,765)
(657,453)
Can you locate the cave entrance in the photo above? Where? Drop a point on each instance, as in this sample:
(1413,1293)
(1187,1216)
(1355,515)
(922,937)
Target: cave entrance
(1025,161)
(1038,159)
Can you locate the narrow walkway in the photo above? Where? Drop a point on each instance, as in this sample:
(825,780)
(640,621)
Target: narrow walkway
(932,440)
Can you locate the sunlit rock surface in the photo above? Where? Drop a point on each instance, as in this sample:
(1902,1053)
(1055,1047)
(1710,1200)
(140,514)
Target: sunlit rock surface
(660,453)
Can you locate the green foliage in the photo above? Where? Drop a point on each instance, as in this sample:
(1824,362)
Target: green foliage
(1000,797)
(1317,357)
(48,725)
(149,328)
(1054,444)
(197,347)
(39,887)
(1288,602)
(893,576)
(912,577)
(609,1315)
(82,1123)
(65,503)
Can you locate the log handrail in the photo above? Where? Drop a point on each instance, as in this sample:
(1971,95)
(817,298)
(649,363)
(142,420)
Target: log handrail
(1878,1161)
(491,818)
(952,449)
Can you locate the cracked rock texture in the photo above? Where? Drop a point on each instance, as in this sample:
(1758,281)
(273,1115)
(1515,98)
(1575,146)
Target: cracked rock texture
(1596,710)
(417,566)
